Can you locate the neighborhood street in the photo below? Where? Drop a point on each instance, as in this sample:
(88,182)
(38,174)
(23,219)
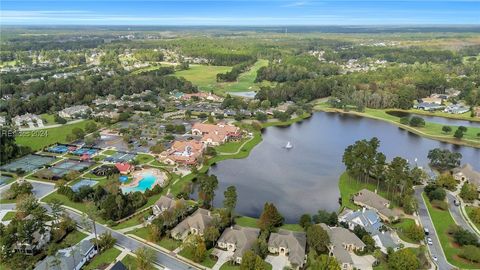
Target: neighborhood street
(457,216)
(436,248)
(162,258)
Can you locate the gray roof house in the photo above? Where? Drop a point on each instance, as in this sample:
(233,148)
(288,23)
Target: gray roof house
(238,240)
(73,257)
(372,223)
(467,173)
(290,244)
(372,200)
(342,244)
(166,202)
(193,224)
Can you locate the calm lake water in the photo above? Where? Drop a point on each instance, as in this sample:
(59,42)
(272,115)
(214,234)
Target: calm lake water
(438,119)
(305,178)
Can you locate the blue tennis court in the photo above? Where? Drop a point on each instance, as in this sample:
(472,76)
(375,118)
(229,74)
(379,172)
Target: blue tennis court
(83,151)
(64,167)
(120,157)
(58,149)
(83,183)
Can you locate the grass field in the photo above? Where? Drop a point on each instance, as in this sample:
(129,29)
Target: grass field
(73,238)
(402,226)
(430,130)
(208,262)
(9,215)
(246,80)
(165,242)
(48,119)
(442,220)
(104,259)
(53,135)
(144,158)
(469,210)
(252,223)
(109,152)
(130,262)
(205,77)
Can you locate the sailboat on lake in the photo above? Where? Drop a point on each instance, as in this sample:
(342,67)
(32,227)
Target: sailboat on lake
(289,145)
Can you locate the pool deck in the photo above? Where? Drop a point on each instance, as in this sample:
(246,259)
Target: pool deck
(159,175)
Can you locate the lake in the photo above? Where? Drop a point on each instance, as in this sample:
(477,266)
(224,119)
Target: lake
(305,178)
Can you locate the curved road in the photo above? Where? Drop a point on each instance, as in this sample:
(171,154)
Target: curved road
(436,248)
(124,241)
(455,212)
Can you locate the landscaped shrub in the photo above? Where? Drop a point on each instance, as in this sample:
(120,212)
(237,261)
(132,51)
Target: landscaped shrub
(442,205)
(475,214)
(416,121)
(464,237)
(17,189)
(471,253)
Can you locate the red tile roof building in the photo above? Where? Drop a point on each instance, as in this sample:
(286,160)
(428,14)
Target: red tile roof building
(216,134)
(124,168)
(183,152)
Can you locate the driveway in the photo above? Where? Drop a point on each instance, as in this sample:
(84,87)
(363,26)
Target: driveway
(41,189)
(278,262)
(436,248)
(223,257)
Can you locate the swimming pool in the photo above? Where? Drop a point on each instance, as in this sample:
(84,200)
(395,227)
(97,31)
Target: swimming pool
(145,183)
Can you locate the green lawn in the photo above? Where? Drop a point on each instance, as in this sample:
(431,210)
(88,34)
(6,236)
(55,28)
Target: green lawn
(349,186)
(252,223)
(73,238)
(402,226)
(469,210)
(165,242)
(229,266)
(129,223)
(104,259)
(442,220)
(48,119)
(208,262)
(130,262)
(246,80)
(144,158)
(109,152)
(9,215)
(205,77)
(99,157)
(52,135)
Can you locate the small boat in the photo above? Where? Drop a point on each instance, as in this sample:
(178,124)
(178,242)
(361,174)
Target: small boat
(289,145)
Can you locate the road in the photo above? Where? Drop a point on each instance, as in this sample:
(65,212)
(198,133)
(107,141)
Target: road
(436,248)
(457,216)
(124,241)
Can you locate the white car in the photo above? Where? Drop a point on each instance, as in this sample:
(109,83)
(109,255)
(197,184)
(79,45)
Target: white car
(434,258)
(429,241)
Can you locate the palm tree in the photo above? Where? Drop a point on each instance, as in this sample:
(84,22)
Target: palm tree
(92,213)
(144,259)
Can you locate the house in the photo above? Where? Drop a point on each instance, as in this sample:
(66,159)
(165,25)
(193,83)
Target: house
(372,223)
(289,244)
(426,106)
(28,119)
(216,134)
(372,200)
(183,153)
(40,238)
(238,239)
(456,109)
(123,168)
(74,111)
(467,173)
(165,203)
(74,257)
(193,224)
(343,243)
(433,100)
(202,96)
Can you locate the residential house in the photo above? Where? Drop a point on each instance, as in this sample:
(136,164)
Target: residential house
(456,109)
(372,200)
(193,224)
(202,96)
(289,244)
(426,106)
(238,240)
(372,223)
(183,153)
(40,238)
(433,99)
(165,203)
(467,173)
(74,111)
(343,243)
(216,134)
(73,258)
(28,119)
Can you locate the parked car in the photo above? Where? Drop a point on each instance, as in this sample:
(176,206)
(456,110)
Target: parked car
(435,258)
(426,231)
(456,202)
(429,241)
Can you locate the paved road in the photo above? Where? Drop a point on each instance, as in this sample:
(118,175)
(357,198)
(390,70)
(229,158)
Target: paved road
(124,241)
(436,248)
(455,211)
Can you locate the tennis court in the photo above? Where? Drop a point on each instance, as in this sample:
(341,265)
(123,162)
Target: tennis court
(27,163)
(120,157)
(64,167)
(58,149)
(83,151)
(83,183)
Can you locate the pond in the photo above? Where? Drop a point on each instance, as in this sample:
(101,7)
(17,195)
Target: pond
(305,178)
(437,119)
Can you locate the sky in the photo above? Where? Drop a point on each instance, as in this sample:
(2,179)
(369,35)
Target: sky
(240,12)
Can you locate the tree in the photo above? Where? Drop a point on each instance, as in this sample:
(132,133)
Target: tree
(446,129)
(207,186)
(211,235)
(154,233)
(251,261)
(317,239)
(403,259)
(92,213)
(305,221)
(144,259)
(270,217)
(475,214)
(322,262)
(230,200)
(464,237)
(323,216)
(458,134)
(105,241)
(90,127)
(78,133)
(443,159)
(416,121)
(471,253)
(196,246)
(56,209)
(438,194)
(447,181)
(415,232)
